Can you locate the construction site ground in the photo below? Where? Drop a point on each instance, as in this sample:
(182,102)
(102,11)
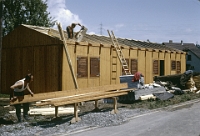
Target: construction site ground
(48,125)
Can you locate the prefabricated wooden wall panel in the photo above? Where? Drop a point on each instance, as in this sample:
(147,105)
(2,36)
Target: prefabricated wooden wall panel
(167,63)
(105,66)
(67,77)
(183,63)
(93,52)
(161,55)
(149,67)
(173,56)
(52,68)
(82,51)
(27,63)
(141,61)
(155,55)
(4,84)
(40,82)
(133,54)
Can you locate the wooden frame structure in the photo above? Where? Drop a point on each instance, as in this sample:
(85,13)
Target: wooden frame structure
(39,50)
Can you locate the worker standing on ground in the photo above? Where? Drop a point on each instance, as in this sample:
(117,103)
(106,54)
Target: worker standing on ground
(18,93)
(70,30)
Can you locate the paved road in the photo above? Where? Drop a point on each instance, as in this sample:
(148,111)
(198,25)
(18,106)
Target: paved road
(182,121)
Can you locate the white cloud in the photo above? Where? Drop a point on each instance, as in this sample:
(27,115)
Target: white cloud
(59,12)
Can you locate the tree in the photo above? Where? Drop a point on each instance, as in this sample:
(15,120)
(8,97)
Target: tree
(30,12)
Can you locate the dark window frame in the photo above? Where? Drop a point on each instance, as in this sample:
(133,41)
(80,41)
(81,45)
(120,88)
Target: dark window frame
(134,68)
(82,67)
(155,67)
(173,65)
(189,58)
(94,66)
(178,67)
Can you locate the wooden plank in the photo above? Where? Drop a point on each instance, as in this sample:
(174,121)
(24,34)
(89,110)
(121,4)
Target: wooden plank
(81,96)
(89,99)
(67,54)
(50,95)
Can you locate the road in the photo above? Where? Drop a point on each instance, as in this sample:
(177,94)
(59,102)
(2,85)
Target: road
(179,121)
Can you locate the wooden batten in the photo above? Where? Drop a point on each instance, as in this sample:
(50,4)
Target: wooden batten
(156,50)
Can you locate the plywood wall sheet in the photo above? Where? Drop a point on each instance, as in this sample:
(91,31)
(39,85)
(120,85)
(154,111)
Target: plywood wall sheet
(105,67)
(141,61)
(92,82)
(178,56)
(4,85)
(67,78)
(125,52)
(148,75)
(183,63)
(28,63)
(173,56)
(52,65)
(161,55)
(17,60)
(12,67)
(167,63)
(155,55)
(133,53)
(40,67)
(82,82)
(93,51)
(81,50)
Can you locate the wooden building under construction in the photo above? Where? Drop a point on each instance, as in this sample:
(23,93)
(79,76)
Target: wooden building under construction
(39,50)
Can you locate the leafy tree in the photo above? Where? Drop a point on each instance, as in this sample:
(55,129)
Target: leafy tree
(30,12)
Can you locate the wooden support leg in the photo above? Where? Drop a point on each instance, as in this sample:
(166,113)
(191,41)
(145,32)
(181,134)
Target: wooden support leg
(96,106)
(56,111)
(76,118)
(114,111)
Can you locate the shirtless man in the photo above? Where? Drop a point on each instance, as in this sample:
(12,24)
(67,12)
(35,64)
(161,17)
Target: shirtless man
(18,93)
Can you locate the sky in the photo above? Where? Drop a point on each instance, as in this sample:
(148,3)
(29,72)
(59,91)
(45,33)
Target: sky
(154,20)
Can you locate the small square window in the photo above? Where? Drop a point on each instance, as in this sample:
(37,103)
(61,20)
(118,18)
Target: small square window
(189,57)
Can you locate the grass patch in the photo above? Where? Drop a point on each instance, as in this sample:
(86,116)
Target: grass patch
(4,95)
(153,104)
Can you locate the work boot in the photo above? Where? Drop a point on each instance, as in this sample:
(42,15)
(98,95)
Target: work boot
(26,117)
(19,119)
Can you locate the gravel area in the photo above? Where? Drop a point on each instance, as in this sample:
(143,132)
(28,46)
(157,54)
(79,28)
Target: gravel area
(48,125)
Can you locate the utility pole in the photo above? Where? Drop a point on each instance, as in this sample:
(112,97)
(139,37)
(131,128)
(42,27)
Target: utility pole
(101,28)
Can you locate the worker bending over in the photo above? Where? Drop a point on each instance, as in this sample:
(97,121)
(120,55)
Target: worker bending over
(70,30)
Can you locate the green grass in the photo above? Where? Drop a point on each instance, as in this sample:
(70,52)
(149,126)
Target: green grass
(154,104)
(4,95)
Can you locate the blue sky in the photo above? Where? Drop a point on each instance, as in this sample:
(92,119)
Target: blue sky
(156,20)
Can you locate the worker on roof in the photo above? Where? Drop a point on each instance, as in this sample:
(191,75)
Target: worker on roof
(70,30)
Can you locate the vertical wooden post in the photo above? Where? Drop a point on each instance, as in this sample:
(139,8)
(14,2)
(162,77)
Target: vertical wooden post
(76,118)
(56,111)
(67,54)
(114,111)
(96,104)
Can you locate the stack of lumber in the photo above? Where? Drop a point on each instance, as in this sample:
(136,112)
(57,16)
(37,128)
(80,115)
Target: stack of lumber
(49,111)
